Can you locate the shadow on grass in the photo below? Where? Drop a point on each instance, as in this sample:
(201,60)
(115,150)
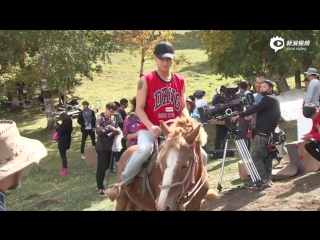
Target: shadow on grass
(23,116)
(201,67)
(187,40)
(227,162)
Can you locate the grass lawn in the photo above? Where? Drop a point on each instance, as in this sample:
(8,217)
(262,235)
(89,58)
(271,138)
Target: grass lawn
(43,189)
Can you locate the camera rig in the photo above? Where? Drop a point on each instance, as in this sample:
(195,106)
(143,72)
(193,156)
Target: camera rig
(224,112)
(231,107)
(278,142)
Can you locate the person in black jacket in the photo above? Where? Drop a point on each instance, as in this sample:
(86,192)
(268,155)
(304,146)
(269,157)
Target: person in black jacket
(221,130)
(106,128)
(64,142)
(268,114)
(87,121)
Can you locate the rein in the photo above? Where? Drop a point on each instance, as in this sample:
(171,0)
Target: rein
(156,142)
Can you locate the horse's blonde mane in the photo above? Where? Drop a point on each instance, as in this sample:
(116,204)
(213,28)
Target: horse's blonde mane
(181,126)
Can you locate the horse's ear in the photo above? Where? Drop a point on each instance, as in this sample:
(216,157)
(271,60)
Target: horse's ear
(192,136)
(164,128)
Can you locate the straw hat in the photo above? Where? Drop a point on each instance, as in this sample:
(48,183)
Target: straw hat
(193,104)
(17,152)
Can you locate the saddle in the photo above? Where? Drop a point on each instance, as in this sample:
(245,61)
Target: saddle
(148,166)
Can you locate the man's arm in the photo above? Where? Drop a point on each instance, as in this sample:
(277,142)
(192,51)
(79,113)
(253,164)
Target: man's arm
(93,123)
(141,98)
(257,108)
(80,119)
(184,110)
(314,130)
(309,93)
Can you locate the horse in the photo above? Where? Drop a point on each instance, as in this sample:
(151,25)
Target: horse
(175,178)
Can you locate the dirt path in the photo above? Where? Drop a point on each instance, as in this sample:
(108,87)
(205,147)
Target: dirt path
(299,194)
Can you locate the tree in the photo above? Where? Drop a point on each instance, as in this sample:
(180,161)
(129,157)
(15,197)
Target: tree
(15,48)
(142,41)
(248,53)
(58,56)
(66,54)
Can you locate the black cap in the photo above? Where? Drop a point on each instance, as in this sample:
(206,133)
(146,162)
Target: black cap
(199,93)
(270,84)
(164,49)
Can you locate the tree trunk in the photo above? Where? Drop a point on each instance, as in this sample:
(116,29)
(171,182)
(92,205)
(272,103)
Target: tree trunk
(69,86)
(59,94)
(65,99)
(48,105)
(305,65)
(142,62)
(281,83)
(297,79)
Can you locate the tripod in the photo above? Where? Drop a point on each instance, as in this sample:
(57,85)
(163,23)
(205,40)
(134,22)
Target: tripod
(245,156)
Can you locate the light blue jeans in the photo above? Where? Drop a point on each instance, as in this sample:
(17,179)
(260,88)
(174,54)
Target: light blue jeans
(145,149)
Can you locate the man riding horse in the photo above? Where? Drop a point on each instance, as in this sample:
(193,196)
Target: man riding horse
(160,96)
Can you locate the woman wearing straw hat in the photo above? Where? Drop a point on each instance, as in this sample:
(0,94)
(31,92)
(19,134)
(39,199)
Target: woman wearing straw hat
(16,154)
(191,106)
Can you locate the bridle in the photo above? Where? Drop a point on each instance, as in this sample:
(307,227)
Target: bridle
(186,195)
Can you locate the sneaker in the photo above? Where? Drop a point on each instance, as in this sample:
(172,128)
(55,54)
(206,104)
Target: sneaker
(266,184)
(116,163)
(64,172)
(112,171)
(101,192)
(61,170)
(83,157)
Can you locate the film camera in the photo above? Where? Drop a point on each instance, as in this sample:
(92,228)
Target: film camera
(232,107)
(223,112)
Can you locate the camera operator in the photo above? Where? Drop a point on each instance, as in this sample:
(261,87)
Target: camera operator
(268,115)
(221,130)
(215,99)
(244,123)
(313,137)
(257,98)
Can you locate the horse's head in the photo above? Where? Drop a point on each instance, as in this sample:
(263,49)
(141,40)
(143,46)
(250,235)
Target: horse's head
(178,159)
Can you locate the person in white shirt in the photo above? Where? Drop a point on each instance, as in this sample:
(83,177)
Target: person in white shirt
(201,102)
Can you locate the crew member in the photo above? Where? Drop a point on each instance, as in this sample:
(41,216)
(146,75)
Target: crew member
(244,123)
(215,99)
(257,98)
(313,89)
(221,130)
(313,137)
(268,115)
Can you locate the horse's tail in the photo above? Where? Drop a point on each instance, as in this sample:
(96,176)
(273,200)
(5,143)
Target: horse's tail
(211,195)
